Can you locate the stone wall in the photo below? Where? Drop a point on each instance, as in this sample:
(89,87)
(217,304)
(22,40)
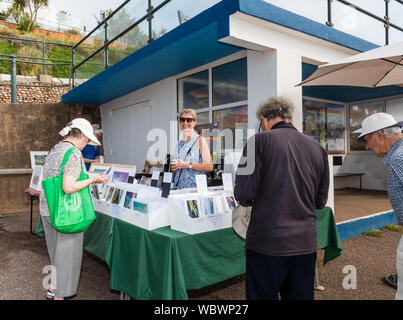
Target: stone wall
(38,89)
(33,94)
(26,127)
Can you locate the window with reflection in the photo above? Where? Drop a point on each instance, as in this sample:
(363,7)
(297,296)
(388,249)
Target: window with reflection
(231,119)
(193,91)
(230,82)
(325,123)
(358,112)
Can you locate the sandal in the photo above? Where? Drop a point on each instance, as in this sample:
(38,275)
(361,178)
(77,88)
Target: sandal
(391,280)
(50,295)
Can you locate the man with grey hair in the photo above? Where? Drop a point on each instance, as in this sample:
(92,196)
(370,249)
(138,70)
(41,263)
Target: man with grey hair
(290,181)
(382,134)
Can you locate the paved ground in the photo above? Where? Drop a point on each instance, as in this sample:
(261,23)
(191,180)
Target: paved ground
(23,257)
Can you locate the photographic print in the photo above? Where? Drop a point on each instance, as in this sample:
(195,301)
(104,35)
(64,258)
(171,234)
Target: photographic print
(192,208)
(219,203)
(208,206)
(129,199)
(110,194)
(140,206)
(120,176)
(117,195)
(38,158)
(36,178)
(104,192)
(145,181)
(231,202)
(95,192)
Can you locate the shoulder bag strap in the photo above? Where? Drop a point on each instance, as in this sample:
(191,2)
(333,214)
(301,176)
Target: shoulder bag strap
(66,158)
(187,153)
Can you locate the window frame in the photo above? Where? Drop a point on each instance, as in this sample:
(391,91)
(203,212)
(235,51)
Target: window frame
(346,119)
(231,58)
(381,99)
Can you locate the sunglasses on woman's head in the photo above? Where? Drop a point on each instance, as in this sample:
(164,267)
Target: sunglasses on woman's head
(186,119)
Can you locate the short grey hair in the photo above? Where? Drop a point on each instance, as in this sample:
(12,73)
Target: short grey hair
(391,132)
(276,107)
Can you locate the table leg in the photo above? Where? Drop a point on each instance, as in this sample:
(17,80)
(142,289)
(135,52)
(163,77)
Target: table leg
(30,226)
(317,286)
(124,296)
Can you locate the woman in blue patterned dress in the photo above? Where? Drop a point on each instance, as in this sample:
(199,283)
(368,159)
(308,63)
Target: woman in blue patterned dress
(192,155)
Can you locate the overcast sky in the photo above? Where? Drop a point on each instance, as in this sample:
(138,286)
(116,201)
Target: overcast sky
(85,9)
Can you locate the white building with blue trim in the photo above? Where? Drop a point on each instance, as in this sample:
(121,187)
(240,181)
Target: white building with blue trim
(223,63)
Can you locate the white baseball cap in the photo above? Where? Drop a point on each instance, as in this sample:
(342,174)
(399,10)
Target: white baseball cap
(85,127)
(375,122)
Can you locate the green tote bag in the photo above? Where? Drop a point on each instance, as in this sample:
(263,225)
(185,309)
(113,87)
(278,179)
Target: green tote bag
(69,213)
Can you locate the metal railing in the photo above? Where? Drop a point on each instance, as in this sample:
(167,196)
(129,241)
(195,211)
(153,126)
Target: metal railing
(100,56)
(13,74)
(42,60)
(148,16)
(385,20)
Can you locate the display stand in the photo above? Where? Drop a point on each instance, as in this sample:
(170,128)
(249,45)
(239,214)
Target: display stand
(33,195)
(145,208)
(194,213)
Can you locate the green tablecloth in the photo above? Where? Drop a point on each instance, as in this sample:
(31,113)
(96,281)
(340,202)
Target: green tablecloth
(164,263)
(327,234)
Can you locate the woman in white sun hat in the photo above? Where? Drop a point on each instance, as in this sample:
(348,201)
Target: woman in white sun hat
(65,249)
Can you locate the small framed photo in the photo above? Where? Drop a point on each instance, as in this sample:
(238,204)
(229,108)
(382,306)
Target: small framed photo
(121,173)
(36,178)
(37,158)
(193,208)
(140,206)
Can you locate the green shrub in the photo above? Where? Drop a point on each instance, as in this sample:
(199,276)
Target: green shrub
(373,233)
(29,69)
(61,53)
(392,227)
(6,48)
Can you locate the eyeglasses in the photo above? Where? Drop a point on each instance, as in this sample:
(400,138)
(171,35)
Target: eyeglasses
(186,120)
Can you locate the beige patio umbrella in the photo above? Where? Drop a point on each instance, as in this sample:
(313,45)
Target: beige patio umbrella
(378,67)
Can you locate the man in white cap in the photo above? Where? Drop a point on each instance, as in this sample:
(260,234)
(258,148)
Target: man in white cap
(382,134)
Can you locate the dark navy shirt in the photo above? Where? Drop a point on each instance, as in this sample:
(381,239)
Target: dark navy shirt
(90,152)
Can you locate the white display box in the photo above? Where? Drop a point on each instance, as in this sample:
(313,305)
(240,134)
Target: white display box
(211,216)
(154,219)
(148,210)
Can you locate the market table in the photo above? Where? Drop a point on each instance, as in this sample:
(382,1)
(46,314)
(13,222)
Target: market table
(164,263)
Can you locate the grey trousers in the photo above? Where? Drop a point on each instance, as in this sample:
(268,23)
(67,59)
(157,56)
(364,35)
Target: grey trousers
(65,252)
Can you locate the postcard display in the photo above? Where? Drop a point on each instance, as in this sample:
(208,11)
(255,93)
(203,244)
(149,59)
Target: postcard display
(135,203)
(188,211)
(206,210)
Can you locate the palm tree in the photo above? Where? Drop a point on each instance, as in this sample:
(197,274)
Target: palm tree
(27,20)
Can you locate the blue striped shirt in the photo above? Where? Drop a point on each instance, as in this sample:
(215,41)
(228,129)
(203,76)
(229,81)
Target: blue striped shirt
(394,161)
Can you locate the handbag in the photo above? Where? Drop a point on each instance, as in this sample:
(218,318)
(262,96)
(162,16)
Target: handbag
(240,220)
(69,212)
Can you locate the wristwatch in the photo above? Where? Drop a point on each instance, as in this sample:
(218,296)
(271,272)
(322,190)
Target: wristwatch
(190,165)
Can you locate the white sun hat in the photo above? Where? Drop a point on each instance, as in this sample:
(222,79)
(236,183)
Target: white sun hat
(85,127)
(375,122)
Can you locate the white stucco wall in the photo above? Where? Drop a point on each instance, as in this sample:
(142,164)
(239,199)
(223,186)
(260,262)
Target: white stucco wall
(274,61)
(161,99)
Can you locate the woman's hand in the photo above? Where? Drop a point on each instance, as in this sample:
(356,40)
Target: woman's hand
(100,179)
(179,164)
(70,183)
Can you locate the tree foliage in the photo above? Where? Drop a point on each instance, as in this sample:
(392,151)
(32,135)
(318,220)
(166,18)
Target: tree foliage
(25,12)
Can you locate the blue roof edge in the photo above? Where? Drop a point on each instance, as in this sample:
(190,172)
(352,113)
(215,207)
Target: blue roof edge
(266,11)
(220,14)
